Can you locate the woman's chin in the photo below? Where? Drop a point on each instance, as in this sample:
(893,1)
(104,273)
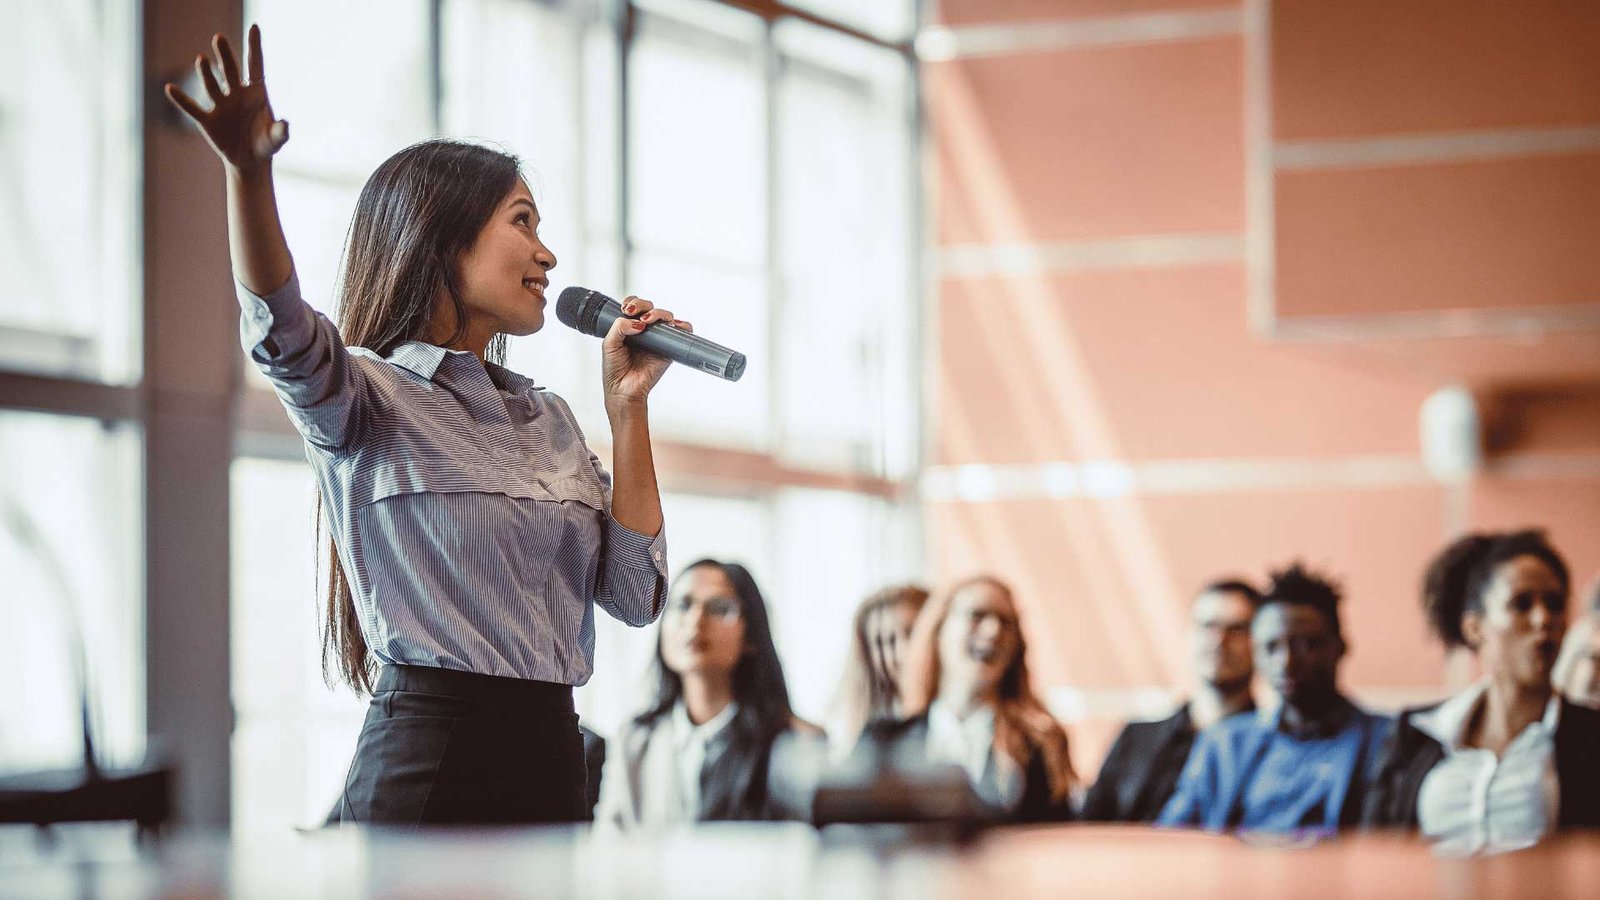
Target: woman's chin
(524,328)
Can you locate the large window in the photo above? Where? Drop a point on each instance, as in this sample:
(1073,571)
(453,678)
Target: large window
(71,504)
(698,207)
(293,737)
(69,520)
(68,190)
(843,346)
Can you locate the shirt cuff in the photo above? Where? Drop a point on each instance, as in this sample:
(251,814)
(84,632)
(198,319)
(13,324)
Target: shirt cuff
(638,551)
(274,322)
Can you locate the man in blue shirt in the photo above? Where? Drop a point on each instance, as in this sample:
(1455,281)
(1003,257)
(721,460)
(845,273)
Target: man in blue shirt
(1305,764)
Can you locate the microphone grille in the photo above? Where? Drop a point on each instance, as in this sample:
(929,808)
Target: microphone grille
(568,304)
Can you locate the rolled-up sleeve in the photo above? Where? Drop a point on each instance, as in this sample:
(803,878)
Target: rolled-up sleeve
(633,574)
(633,567)
(301,353)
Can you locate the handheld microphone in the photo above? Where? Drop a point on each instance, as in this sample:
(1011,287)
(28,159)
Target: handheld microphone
(592,313)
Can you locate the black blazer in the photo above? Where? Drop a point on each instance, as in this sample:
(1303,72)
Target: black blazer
(1409,755)
(1141,770)
(911,735)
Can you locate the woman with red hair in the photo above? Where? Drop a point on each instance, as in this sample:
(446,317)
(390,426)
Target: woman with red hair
(968,700)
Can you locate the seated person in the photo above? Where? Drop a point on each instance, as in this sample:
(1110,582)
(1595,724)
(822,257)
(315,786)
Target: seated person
(703,749)
(1577,674)
(1506,761)
(969,702)
(1141,770)
(1305,765)
(870,689)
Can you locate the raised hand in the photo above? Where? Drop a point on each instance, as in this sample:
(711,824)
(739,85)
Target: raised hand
(239,125)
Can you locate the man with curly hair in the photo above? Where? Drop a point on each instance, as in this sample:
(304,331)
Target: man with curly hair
(1304,765)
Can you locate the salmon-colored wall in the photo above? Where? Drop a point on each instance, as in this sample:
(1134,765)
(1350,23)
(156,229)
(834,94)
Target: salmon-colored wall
(1242,443)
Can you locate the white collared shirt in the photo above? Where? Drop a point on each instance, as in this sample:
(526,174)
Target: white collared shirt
(1475,802)
(673,760)
(969,743)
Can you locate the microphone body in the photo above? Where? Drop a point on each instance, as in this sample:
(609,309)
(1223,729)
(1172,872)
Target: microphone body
(592,313)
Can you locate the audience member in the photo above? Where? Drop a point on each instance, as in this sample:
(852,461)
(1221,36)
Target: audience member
(1305,765)
(1140,773)
(969,702)
(1577,673)
(702,751)
(870,689)
(1506,761)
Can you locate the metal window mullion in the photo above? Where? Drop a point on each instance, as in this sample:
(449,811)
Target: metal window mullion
(627,31)
(772,70)
(436,65)
(26,392)
(925,323)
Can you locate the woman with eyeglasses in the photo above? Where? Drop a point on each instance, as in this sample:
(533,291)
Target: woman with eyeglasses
(969,701)
(702,749)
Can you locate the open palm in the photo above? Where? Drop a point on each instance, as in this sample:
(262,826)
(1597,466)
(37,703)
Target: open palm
(239,125)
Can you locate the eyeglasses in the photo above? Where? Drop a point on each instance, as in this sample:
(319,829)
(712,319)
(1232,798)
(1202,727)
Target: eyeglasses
(725,609)
(1226,629)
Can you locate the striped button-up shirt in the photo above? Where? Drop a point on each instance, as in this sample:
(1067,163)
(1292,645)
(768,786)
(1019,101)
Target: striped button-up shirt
(472,521)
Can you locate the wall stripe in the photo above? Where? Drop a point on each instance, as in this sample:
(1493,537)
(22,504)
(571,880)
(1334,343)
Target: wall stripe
(1103,479)
(1119,478)
(1415,149)
(1546,466)
(940,44)
(1521,322)
(1139,251)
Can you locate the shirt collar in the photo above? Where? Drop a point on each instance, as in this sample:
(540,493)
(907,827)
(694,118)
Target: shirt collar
(978,724)
(686,732)
(418,357)
(509,380)
(425,359)
(1447,722)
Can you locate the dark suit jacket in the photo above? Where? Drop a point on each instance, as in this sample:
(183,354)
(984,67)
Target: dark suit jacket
(910,736)
(1140,772)
(1409,755)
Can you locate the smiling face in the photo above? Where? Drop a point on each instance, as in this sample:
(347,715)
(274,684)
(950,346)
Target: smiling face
(502,276)
(979,639)
(1518,633)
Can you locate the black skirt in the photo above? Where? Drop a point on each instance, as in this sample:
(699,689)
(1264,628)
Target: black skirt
(444,747)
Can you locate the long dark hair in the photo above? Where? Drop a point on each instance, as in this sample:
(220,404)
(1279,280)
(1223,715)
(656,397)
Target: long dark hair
(418,213)
(763,697)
